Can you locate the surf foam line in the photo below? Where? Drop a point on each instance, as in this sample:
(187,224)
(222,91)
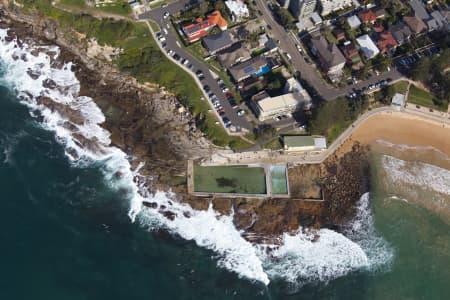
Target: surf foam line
(417,173)
(299,259)
(404,147)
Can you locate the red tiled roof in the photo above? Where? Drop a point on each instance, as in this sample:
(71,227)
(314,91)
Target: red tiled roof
(386,41)
(367,16)
(199,29)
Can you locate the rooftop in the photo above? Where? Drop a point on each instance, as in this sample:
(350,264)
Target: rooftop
(275,103)
(386,41)
(328,52)
(247,68)
(216,42)
(353,21)
(367,46)
(419,10)
(415,23)
(367,16)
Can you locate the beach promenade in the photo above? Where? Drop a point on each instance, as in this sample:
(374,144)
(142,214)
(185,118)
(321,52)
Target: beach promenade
(315,157)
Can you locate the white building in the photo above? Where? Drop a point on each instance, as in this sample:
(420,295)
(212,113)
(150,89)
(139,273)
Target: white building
(398,101)
(368,47)
(238,9)
(293,86)
(328,6)
(267,107)
(302,8)
(353,22)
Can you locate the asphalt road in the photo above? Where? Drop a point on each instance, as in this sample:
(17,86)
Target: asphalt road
(308,72)
(173,44)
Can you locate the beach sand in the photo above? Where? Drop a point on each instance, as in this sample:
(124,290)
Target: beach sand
(405,136)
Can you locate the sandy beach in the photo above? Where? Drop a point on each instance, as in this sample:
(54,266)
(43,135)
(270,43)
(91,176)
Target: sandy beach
(409,136)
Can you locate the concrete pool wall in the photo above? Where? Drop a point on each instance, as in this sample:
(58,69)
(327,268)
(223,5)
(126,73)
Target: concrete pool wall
(258,181)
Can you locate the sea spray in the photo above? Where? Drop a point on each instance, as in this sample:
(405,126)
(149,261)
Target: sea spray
(298,259)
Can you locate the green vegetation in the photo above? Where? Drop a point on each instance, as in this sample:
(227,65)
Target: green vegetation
(119,8)
(400,87)
(283,16)
(331,118)
(274,144)
(424,98)
(141,58)
(433,72)
(387,92)
(230,179)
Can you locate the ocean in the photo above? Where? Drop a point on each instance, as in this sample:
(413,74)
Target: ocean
(73,225)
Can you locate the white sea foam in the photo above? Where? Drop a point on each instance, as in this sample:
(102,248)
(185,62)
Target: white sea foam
(421,174)
(299,259)
(404,147)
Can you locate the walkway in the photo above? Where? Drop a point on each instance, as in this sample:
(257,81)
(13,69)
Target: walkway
(315,157)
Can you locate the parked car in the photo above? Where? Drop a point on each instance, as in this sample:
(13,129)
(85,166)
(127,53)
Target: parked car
(226,120)
(176,57)
(240,112)
(166,15)
(206,88)
(229,95)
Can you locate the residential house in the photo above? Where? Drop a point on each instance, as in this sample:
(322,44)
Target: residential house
(328,6)
(254,67)
(351,54)
(401,32)
(330,57)
(378,28)
(367,46)
(380,13)
(217,42)
(353,22)
(367,16)
(415,24)
(200,28)
(440,19)
(233,55)
(419,10)
(238,10)
(338,33)
(386,42)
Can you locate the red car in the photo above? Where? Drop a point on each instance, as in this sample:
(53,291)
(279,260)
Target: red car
(229,95)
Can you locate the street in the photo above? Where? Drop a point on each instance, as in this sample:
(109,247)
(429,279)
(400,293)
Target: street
(172,43)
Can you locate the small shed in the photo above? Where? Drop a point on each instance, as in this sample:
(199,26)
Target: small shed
(398,101)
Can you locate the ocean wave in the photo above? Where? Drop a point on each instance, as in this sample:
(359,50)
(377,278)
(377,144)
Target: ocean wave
(404,147)
(424,175)
(298,259)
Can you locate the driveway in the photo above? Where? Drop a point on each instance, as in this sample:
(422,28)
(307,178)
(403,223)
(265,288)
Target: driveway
(172,43)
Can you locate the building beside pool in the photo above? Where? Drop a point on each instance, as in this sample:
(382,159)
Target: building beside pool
(254,67)
(297,143)
(266,107)
(398,101)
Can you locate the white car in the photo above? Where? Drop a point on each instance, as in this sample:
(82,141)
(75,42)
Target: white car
(165,31)
(240,112)
(166,15)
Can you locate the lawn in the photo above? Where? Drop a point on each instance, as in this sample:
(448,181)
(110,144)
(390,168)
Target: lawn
(119,8)
(274,144)
(401,87)
(423,98)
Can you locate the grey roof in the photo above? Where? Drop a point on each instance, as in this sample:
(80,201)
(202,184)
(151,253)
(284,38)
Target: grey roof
(400,31)
(419,9)
(440,19)
(329,53)
(247,68)
(233,55)
(216,42)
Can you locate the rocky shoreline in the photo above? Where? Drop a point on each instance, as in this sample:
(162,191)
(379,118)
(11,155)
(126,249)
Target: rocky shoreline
(144,122)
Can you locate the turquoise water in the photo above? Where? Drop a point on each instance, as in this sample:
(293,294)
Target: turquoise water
(66,234)
(279,180)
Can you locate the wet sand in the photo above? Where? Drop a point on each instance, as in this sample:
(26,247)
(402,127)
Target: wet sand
(405,136)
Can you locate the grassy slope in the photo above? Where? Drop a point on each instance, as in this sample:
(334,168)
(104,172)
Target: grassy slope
(422,97)
(143,59)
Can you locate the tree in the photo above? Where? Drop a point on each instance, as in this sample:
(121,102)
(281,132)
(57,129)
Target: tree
(422,70)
